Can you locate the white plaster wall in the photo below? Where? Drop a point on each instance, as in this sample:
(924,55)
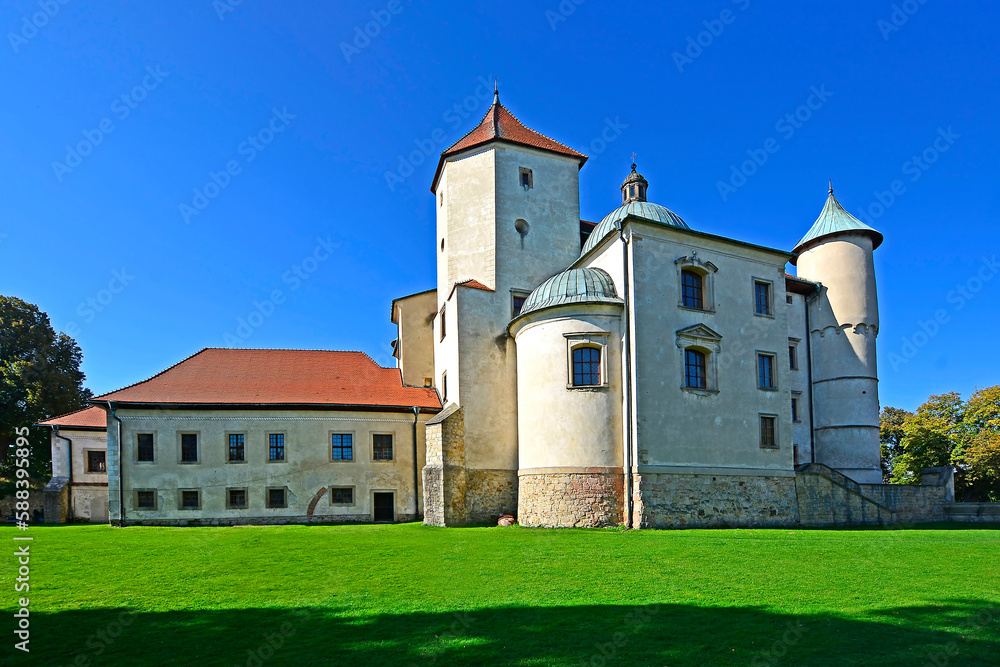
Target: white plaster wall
(414,319)
(307,469)
(559,426)
(89,492)
(677,427)
(799,379)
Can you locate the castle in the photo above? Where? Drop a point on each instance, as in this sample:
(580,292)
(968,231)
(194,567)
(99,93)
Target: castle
(631,372)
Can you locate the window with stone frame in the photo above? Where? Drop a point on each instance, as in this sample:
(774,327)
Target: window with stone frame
(237,448)
(190,499)
(699,348)
(189,447)
(144,450)
(695,369)
(277,497)
(766,370)
(382,446)
(696,282)
(586,366)
(762,298)
(341,495)
(236,498)
(768,431)
(145,499)
(97,461)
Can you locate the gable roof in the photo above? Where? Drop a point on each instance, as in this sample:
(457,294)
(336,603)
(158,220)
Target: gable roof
(90,419)
(222,376)
(499,124)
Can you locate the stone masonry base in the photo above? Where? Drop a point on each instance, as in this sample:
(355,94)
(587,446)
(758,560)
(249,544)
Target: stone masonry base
(570,500)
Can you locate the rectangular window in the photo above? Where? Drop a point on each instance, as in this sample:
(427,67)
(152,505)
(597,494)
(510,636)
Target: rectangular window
(236,498)
(793,357)
(762,298)
(190,499)
(276,498)
(695,374)
(276,447)
(145,500)
(343,446)
(692,290)
(381,447)
(189,448)
(441,318)
(527,180)
(341,495)
(586,367)
(768,435)
(795,409)
(444,387)
(765,371)
(144,447)
(97,462)
(236,449)
(517,303)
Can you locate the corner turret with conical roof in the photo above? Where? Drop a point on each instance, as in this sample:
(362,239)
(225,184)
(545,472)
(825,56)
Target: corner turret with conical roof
(837,253)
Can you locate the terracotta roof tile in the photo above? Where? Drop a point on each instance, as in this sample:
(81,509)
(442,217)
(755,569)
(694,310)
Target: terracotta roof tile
(499,124)
(471,282)
(92,417)
(275,377)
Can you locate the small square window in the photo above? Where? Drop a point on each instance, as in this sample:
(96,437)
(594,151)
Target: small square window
(789,300)
(762,298)
(768,433)
(276,447)
(765,371)
(276,498)
(97,461)
(341,495)
(382,447)
(527,180)
(144,447)
(237,451)
(236,498)
(190,499)
(189,448)
(343,446)
(145,500)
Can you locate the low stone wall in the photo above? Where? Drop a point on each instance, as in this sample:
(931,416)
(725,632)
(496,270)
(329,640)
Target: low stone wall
(973,512)
(570,500)
(910,503)
(36,504)
(823,502)
(673,500)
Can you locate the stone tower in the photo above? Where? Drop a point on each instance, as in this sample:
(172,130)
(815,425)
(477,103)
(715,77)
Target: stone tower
(508,218)
(843,322)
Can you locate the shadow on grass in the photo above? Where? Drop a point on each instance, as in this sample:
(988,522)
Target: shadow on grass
(955,632)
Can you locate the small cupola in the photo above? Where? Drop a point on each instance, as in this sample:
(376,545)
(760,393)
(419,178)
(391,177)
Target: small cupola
(634,187)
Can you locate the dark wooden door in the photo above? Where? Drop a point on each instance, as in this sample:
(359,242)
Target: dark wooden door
(385,509)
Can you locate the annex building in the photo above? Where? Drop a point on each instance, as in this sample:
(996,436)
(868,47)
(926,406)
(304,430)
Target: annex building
(635,371)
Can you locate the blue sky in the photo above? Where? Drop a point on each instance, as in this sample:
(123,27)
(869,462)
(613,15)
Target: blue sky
(171,168)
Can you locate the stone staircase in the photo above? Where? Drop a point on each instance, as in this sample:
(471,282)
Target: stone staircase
(830,498)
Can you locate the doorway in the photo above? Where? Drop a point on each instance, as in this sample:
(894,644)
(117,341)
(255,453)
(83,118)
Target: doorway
(384,506)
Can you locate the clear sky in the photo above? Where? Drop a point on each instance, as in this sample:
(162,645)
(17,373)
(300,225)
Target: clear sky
(169,166)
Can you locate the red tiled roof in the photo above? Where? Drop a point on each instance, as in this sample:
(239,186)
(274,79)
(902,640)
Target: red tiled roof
(471,282)
(278,377)
(499,124)
(92,417)
(588,224)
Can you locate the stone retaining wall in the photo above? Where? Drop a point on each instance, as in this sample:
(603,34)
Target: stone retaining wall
(570,500)
(669,500)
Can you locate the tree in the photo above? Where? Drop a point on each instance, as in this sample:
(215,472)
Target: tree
(891,421)
(979,456)
(40,378)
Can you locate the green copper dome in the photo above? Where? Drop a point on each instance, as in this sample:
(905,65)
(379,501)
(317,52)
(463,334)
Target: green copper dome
(833,219)
(572,286)
(643,210)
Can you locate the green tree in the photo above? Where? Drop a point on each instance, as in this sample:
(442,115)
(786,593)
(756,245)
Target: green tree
(891,421)
(979,455)
(929,437)
(40,378)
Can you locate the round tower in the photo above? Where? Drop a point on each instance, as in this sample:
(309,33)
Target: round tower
(569,402)
(843,323)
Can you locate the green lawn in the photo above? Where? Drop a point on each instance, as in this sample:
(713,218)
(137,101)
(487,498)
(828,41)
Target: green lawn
(411,595)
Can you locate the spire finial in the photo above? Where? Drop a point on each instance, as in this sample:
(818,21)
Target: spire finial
(831,186)
(496,91)
(633,160)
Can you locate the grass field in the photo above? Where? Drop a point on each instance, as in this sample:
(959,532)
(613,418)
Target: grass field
(412,595)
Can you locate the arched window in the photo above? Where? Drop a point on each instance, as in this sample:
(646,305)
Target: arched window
(695,369)
(586,367)
(692,290)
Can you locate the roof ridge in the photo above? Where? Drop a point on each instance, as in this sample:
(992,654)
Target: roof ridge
(153,377)
(555,141)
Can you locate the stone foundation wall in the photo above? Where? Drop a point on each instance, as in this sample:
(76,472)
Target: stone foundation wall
(570,500)
(910,503)
(262,521)
(668,500)
(823,502)
(489,494)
